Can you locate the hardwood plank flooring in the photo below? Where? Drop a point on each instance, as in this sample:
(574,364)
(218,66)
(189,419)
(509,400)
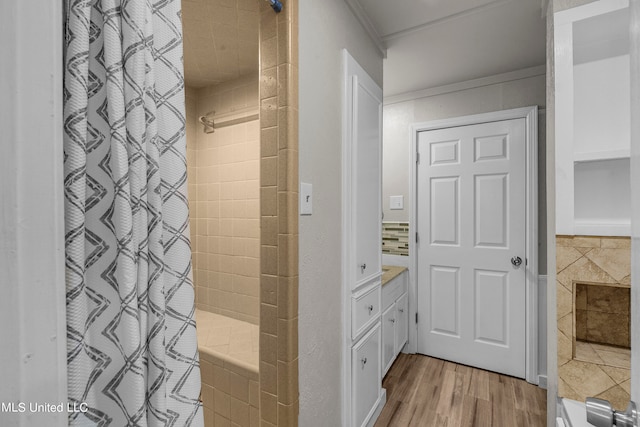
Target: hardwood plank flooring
(424,391)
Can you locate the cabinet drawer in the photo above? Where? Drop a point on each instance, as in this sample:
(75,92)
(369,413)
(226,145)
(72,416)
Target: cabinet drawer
(392,290)
(366,380)
(365,310)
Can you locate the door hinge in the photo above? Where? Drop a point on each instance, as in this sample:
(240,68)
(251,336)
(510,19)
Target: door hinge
(417,237)
(416,317)
(417,158)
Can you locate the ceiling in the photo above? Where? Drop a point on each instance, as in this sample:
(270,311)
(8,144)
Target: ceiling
(220,40)
(432,43)
(429,43)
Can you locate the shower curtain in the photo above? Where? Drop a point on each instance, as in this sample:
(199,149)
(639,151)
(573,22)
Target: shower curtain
(131,339)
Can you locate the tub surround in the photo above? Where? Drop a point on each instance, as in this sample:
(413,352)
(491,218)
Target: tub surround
(594,261)
(229,353)
(390,272)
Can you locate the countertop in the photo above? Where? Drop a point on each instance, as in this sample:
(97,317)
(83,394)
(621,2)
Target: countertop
(390,272)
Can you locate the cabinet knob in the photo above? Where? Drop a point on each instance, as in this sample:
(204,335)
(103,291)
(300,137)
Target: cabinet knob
(392,320)
(370,308)
(364,361)
(401,310)
(363,267)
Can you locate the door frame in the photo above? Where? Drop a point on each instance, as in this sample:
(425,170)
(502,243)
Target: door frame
(530,114)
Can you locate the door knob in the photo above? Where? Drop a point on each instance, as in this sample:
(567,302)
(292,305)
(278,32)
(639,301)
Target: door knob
(516,261)
(600,413)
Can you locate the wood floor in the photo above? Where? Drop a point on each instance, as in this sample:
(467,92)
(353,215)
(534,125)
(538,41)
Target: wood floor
(423,391)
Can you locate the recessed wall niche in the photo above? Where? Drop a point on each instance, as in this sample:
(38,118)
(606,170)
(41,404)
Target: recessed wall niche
(602,314)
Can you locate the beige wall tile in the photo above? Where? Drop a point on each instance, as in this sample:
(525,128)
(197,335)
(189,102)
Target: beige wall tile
(269,260)
(239,412)
(585,378)
(584,265)
(615,262)
(287,340)
(268,407)
(268,319)
(254,394)
(269,201)
(618,397)
(616,242)
(287,382)
(208,417)
(288,414)
(578,241)
(279,222)
(268,351)
(269,378)
(207,396)
(221,403)
(288,297)
(221,163)
(239,387)
(220,421)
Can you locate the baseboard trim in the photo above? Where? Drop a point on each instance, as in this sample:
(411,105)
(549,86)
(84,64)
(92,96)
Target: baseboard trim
(382,399)
(542,381)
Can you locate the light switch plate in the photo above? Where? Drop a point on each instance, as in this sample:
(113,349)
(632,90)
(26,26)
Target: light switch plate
(396,202)
(306,198)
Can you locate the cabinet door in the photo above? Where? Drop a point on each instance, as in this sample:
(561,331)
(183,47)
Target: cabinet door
(366,184)
(388,338)
(402,322)
(366,379)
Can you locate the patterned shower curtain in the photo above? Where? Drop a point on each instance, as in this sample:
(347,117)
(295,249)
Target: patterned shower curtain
(131,338)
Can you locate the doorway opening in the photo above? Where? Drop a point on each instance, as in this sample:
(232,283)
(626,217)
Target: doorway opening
(452,297)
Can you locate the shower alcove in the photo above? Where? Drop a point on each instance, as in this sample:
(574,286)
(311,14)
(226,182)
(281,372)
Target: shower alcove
(240,71)
(592,122)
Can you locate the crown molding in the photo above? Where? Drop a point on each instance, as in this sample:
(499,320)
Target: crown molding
(362,17)
(524,73)
(444,19)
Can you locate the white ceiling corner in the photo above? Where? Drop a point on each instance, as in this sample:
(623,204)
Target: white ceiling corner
(433,43)
(365,21)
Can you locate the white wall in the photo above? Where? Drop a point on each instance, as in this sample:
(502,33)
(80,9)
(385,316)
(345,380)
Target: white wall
(325,27)
(399,116)
(32,305)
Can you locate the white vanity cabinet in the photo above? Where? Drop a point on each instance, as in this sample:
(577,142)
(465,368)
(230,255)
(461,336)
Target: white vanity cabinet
(366,378)
(363,394)
(395,319)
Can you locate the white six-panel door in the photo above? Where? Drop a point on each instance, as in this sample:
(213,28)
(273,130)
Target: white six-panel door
(471,223)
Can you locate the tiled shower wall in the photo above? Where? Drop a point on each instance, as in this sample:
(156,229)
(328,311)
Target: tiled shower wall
(590,260)
(279,213)
(224,199)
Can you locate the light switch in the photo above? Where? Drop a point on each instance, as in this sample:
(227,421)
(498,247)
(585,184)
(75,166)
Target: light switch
(306,198)
(396,202)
